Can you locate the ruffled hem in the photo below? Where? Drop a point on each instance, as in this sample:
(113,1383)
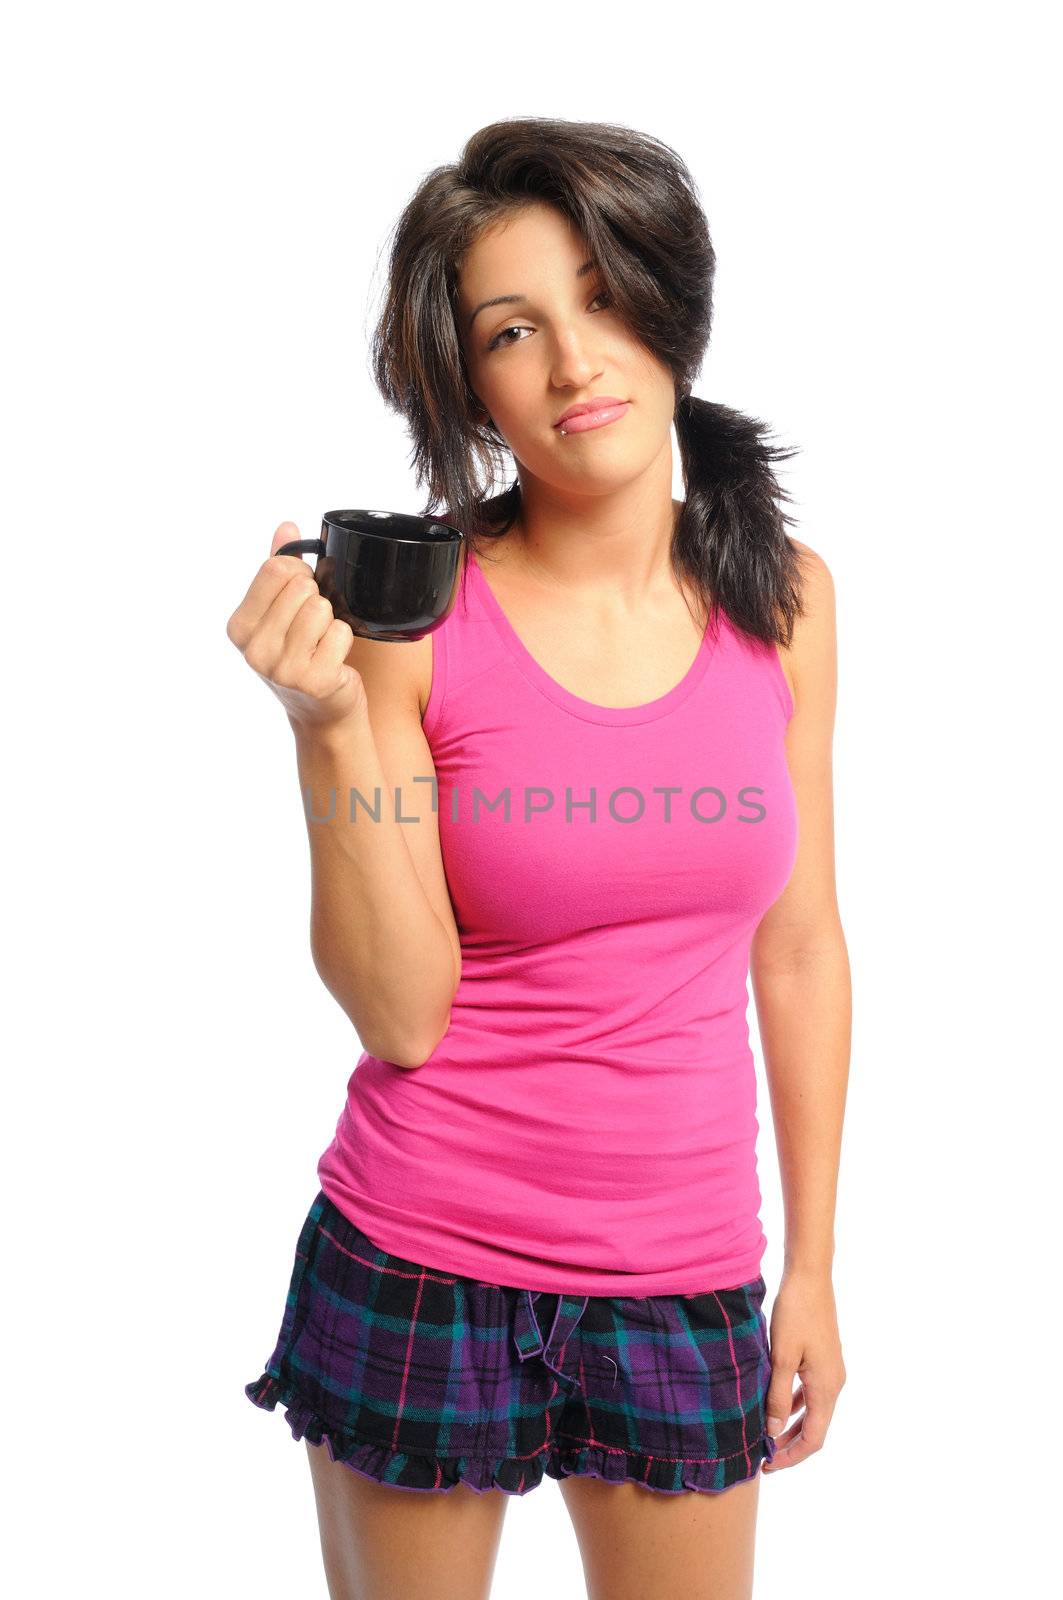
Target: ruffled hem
(575,1458)
(425,1473)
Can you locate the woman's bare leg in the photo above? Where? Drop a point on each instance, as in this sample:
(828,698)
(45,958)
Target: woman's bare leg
(690,1546)
(380,1542)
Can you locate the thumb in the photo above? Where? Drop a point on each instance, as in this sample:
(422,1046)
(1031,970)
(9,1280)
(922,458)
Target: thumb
(284,535)
(780,1401)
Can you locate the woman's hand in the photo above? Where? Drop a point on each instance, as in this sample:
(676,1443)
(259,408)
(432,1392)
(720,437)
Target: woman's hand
(288,633)
(803,1342)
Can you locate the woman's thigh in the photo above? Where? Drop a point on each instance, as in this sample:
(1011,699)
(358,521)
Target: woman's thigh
(380,1542)
(636,1542)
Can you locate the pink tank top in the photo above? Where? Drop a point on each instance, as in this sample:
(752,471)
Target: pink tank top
(588,1122)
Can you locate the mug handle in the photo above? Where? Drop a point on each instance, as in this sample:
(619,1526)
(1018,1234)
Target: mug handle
(302,546)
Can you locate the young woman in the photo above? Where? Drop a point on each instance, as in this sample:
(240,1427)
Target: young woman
(536,1245)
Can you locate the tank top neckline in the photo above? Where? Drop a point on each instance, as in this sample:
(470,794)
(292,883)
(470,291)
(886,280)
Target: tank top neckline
(614,716)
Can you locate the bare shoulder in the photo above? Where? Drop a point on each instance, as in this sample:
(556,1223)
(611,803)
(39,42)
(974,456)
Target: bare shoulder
(817,595)
(396,674)
(811,658)
(817,584)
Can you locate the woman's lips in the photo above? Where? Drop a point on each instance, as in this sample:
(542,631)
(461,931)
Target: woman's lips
(592,419)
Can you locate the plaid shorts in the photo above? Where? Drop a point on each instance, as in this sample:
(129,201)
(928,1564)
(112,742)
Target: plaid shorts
(422,1379)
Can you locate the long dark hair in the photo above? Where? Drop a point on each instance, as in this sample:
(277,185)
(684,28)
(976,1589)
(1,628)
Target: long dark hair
(637,208)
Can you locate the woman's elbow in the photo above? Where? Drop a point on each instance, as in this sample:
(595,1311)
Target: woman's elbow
(414,1053)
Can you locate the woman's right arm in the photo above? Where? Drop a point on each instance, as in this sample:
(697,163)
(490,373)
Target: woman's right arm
(383,934)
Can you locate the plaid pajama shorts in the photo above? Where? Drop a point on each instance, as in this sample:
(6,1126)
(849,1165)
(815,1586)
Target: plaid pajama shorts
(422,1379)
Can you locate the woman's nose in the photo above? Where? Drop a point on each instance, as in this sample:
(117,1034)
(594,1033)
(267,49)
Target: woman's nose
(575,366)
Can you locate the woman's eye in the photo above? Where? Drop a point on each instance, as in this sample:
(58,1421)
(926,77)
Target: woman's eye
(516,327)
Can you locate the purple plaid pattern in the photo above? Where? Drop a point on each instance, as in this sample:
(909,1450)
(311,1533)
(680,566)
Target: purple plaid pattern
(423,1379)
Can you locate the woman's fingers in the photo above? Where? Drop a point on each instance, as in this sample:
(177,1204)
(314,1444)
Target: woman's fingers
(269,582)
(269,638)
(808,1434)
(288,633)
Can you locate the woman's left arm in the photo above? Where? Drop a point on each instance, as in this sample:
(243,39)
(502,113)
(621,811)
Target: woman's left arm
(799,967)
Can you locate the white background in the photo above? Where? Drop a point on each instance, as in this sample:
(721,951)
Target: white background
(196,199)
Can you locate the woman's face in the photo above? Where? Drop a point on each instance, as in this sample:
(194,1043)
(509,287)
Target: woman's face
(561,344)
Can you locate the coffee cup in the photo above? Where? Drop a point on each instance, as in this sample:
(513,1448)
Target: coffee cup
(389,575)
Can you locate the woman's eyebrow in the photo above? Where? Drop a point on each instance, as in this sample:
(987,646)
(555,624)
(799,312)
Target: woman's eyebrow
(516,299)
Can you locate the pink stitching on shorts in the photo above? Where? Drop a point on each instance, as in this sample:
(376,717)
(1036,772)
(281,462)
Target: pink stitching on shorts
(738,1376)
(423,1276)
(617,1450)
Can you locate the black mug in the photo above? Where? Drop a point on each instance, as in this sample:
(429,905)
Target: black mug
(388,575)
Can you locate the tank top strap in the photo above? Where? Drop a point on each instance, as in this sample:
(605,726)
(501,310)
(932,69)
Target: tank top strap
(464,645)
